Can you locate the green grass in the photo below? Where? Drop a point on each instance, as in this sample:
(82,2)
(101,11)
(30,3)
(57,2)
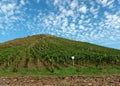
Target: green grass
(69,71)
(6,72)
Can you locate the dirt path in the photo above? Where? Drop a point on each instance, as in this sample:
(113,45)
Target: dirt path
(61,81)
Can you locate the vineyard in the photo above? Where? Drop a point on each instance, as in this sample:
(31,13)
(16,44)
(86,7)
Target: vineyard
(53,52)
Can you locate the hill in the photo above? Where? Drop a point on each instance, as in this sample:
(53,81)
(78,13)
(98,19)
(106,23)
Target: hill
(53,52)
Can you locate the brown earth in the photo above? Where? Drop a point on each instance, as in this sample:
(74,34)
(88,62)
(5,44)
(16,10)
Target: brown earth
(61,81)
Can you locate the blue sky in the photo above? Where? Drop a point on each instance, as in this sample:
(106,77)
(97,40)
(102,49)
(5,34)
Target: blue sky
(94,21)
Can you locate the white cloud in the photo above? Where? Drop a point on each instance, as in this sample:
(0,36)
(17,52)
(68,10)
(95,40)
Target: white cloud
(95,11)
(72,26)
(79,22)
(82,17)
(81,27)
(7,7)
(105,3)
(112,21)
(11,15)
(74,4)
(70,13)
(4,33)
(56,2)
(83,9)
(22,2)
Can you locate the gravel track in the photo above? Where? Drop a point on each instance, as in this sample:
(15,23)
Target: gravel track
(61,81)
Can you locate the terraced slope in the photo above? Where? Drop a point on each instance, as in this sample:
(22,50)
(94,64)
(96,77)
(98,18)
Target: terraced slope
(53,52)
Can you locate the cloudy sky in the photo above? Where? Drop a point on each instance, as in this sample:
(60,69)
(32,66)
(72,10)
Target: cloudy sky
(94,21)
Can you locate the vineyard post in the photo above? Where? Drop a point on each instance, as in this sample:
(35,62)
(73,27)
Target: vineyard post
(73,60)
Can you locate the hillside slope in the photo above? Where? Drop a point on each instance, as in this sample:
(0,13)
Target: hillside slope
(53,52)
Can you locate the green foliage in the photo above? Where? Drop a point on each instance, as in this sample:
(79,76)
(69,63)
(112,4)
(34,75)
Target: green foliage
(54,52)
(69,71)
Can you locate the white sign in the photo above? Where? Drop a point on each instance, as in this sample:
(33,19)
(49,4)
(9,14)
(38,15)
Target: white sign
(73,57)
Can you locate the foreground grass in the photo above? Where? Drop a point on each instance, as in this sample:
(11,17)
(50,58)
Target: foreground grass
(69,71)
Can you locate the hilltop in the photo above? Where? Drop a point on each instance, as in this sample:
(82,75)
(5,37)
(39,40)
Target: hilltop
(51,52)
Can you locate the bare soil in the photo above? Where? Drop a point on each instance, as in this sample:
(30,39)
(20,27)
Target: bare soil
(61,81)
